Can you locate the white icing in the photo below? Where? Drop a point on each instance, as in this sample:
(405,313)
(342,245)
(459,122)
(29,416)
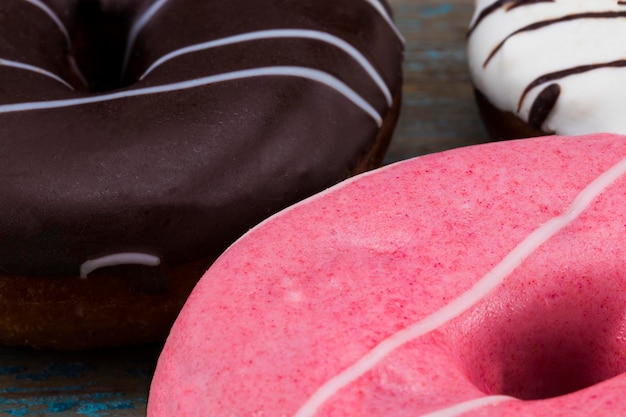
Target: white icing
(281,33)
(20,65)
(468,299)
(589,102)
(127,258)
(53,16)
(143,20)
(464,407)
(136,28)
(301,72)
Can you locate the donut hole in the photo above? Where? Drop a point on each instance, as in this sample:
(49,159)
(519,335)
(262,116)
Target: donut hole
(99,38)
(545,342)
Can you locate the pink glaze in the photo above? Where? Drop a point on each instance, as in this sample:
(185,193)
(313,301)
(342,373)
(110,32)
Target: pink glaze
(483,281)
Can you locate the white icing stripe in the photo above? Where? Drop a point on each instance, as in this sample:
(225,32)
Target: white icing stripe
(281,33)
(141,22)
(20,65)
(466,406)
(468,299)
(127,258)
(136,28)
(383,12)
(53,16)
(300,72)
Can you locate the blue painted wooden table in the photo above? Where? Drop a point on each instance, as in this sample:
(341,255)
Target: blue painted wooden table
(438,113)
(93,384)
(438,110)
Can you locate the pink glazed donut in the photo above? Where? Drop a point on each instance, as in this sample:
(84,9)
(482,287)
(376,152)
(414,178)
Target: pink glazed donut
(482,281)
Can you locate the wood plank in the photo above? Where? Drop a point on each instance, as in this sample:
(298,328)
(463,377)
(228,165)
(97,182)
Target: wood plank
(438,110)
(92,384)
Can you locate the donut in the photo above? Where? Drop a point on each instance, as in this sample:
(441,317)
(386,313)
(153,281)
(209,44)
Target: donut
(480,281)
(543,67)
(140,138)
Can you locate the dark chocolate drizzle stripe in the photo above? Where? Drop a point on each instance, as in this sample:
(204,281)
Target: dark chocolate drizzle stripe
(566,73)
(519,3)
(509,4)
(484,13)
(543,105)
(539,25)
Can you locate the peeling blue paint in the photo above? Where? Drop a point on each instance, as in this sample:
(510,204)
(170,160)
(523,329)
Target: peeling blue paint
(96,409)
(436,11)
(90,405)
(61,406)
(11,370)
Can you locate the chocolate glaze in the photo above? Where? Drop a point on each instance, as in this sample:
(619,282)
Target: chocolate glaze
(176,174)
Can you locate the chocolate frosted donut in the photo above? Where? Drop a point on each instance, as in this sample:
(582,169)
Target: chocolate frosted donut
(139,138)
(549,66)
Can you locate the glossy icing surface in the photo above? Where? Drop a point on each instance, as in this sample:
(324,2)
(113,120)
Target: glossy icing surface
(479,281)
(183,132)
(556,64)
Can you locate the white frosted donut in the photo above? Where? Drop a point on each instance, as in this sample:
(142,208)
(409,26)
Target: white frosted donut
(558,65)
(482,281)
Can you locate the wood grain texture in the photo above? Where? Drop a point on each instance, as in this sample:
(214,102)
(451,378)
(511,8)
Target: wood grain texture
(91,384)
(438,110)
(438,113)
